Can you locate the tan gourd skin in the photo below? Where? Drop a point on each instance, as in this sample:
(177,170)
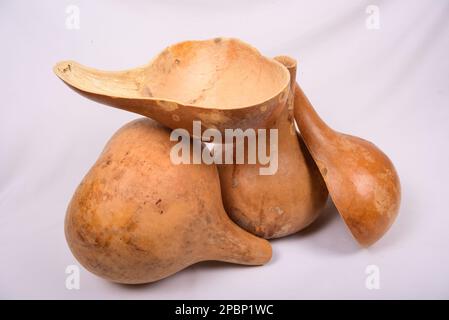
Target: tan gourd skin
(273,206)
(227,84)
(223,82)
(361,179)
(138,218)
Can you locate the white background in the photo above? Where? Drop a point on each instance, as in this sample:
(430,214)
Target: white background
(388,85)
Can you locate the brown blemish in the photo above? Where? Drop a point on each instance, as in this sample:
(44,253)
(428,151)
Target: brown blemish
(118,174)
(131,226)
(107,162)
(80,236)
(68,68)
(147,92)
(134,245)
(158,202)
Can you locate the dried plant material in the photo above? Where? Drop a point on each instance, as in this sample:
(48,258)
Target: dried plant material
(361,179)
(224,83)
(273,206)
(136,217)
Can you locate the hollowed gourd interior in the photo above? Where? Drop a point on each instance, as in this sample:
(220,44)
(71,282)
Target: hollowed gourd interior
(219,73)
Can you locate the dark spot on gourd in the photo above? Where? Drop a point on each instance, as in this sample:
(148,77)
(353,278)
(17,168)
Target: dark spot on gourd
(131,226)
(68,68)
(107,162)
(118,175)
(157,203)
(80,236)
(130,242)
(147,92)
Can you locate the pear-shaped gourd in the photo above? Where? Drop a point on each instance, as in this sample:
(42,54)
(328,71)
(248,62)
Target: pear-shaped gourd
(362,181)
(279,204)
(224,83)
(136,217)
